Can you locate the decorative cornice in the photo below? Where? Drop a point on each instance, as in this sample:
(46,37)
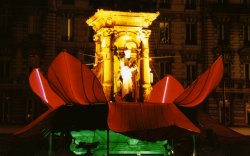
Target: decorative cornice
(103,18)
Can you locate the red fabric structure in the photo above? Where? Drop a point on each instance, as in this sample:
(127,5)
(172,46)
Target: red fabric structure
(166,90)
(42,88)
(135,116)
(71,82)
(74,81)
(202,87)
(161,111)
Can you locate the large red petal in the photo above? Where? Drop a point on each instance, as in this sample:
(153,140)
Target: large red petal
(74,81)
(42,88)
(166,90)
(129,117)
(201,87)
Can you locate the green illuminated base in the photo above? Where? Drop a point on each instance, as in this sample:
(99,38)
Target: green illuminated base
(96,141)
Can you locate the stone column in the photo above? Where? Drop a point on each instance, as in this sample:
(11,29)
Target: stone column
(145,69)
(107,61)
(98,56)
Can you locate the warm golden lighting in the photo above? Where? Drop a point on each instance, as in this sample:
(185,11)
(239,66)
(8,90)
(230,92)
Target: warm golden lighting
(69,29)
(104,18)
(127,53)
(122,47)
(103,43)
(126,75)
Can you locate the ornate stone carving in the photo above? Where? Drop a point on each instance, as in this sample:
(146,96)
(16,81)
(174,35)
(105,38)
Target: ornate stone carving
(107,31)
(123,30)
(109,21)
(146,91)
(145,33)
(96,37)
(104,18)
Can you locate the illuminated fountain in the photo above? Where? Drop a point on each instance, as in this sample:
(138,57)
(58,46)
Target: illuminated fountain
(122,49)
(116,96)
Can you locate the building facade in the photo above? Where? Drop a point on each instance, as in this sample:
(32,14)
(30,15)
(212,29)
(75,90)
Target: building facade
(185,39)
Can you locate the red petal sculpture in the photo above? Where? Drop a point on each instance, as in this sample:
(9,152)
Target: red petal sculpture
(201,87)
(134,116)
(71,82)
(166,90)
(42,88)
(74,81)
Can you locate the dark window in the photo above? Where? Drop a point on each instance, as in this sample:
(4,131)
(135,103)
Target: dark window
(4,24)
(227,72)
(4,70)
(223,34)
(223,2)
(91,35)
(164,33)
(247,75)
(33,24)
(246,34)
(165,68)
(5,107)
(191,34)
(191,72)
(68,2)
(227,69)
(165,4)
(246,3)
(190,4)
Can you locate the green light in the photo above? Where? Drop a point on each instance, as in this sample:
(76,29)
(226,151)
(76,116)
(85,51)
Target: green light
(96,141)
